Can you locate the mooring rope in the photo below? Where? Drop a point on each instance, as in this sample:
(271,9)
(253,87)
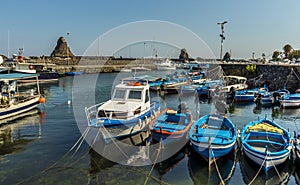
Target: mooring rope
(295,74)
(52,165)
(94,141)
(259,170)
(219,174)
(154,163)
(288,77)
(260,77)
(83,138)
(276,171)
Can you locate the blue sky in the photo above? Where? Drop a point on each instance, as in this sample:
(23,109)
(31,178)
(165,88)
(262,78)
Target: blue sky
(259,26)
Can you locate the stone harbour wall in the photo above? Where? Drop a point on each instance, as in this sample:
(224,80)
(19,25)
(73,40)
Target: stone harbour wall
(274,76)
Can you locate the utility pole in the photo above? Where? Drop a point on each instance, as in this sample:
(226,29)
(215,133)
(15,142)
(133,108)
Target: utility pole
(222,36)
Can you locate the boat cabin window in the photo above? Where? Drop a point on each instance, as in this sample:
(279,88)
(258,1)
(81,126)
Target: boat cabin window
(147,98)
(241,81)
(133,94)
(119,94)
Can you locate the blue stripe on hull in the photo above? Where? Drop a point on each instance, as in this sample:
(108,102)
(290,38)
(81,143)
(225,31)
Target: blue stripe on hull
(108,123)
(19,109)
(220,152)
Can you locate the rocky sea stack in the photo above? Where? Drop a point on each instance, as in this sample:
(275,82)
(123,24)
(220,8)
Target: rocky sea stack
(62,49)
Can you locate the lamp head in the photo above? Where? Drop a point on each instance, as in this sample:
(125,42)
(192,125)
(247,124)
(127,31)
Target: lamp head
(222,23)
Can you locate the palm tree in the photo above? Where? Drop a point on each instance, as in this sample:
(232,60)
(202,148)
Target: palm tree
(287,50)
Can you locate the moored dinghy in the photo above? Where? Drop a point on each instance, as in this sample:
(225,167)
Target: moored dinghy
(213,136)
(266,143)
(127,113)
(291,100)
(171,125)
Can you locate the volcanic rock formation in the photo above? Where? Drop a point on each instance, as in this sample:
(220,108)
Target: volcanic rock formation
(62,49)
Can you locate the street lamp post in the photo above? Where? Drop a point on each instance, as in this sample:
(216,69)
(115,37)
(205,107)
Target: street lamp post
(222,36)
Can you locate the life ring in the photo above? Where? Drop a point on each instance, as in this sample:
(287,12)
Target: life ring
(30,67)
(134,83)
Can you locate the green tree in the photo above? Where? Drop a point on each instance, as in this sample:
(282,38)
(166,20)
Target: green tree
(287,50)
(295,54)
(275,55)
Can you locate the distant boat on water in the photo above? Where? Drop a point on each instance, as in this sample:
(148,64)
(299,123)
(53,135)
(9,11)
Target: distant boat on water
(73,73)
(165,65)
(45,71)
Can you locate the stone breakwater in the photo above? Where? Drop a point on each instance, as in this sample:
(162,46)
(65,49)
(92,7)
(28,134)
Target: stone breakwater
(274,76)
(99,65)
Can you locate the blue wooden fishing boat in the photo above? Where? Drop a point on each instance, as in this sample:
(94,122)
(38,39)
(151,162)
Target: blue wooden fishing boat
(249,95)
(153,81)
(73,73)
(171,125)
(266,143)
(191,87)
(206,86)
(172,86)
(213,136)
(290,100)
(273,98)
(128,112)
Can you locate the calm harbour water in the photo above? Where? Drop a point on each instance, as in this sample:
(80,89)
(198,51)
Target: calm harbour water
(33,149)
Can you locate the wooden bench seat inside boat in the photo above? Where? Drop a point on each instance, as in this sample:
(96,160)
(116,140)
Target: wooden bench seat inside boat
(169,127)
(225,134)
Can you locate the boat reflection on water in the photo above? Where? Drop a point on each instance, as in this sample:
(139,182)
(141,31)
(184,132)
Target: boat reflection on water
(297,174)
(17,131)
(168,164)
(257,109)
(131,150)
(120,161)
(202,173)
(249,170)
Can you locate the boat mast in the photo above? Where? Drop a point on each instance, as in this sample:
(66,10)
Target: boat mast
(8,43)
(38,86)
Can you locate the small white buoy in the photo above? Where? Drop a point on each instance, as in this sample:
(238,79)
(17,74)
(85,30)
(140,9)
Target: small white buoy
(69,102)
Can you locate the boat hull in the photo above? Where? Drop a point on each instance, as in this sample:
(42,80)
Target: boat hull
(290,103)
(269,162)
(123,128)
(171,127)
(266,143)
(209,140)
(19,108)
(244,98)
(209,152)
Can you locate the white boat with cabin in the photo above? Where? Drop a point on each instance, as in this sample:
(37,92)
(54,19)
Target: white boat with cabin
(127,113)
(165,65)
(236,82)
